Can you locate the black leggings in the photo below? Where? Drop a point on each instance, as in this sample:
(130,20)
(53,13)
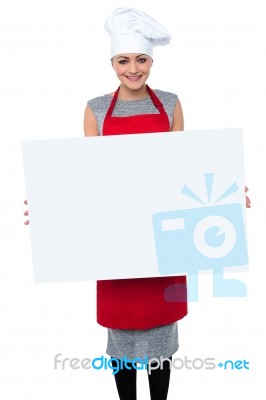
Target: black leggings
(126,381)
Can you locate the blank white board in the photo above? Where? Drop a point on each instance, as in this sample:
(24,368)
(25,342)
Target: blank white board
(96,204)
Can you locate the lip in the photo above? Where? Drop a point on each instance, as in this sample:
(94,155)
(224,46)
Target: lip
(134,78)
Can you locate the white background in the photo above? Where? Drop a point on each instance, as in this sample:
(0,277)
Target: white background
(54,57)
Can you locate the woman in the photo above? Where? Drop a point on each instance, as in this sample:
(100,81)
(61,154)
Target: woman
(140,320)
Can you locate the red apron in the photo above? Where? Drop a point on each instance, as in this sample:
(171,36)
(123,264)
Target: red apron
(141,303)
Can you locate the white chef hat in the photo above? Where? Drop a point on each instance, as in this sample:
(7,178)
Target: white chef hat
(133,31)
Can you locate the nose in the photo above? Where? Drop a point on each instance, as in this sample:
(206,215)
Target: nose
(133,68)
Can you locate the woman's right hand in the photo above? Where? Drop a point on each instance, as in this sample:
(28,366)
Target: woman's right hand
(26,213)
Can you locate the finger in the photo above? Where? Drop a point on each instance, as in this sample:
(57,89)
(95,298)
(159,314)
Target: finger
(26,213)
(26,222)
(26,202)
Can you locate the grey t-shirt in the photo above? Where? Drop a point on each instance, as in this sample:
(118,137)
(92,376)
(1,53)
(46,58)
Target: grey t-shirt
(163,340)
(123,108)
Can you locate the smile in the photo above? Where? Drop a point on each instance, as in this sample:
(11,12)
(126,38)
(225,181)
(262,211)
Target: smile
(134,78)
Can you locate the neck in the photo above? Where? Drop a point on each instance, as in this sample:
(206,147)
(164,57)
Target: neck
(128,94)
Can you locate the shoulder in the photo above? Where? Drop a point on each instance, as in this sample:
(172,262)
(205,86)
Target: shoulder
(173,107)
(165,96)
(99,102)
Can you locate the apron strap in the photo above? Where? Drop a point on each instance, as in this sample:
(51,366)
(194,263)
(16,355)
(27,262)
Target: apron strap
(156,101)
(112,105)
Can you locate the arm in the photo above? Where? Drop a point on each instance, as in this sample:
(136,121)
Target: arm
(90,123)
(178,120)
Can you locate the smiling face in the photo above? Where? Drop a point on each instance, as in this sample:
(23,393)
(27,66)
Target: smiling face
(132,70)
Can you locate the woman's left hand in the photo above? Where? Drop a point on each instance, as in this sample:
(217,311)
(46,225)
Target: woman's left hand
(248,202)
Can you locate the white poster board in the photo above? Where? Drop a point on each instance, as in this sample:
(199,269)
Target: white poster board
(138,205)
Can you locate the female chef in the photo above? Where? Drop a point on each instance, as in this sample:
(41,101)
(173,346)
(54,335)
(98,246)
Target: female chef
(140,321)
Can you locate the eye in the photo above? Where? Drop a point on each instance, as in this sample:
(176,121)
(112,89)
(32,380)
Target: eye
(122,62)
(142,60)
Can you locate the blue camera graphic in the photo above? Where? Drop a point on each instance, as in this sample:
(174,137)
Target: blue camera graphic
(209,237)
(201,238)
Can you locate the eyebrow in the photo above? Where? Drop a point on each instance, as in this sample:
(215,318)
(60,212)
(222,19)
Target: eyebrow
(128,57)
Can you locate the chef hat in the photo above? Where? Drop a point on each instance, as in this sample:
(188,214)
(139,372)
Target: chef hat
(133,31)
